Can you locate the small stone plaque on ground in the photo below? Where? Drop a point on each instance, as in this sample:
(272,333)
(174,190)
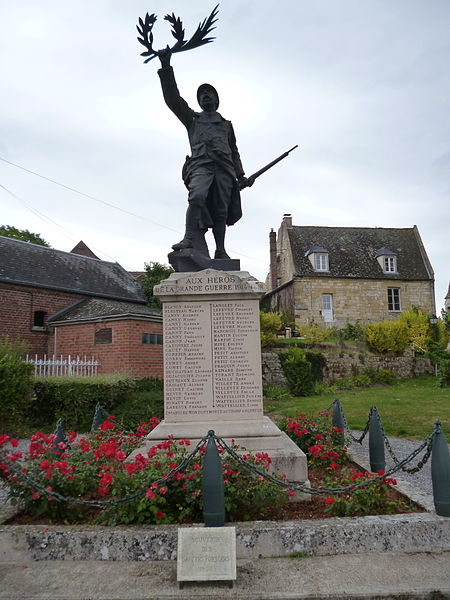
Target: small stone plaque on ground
(206,554)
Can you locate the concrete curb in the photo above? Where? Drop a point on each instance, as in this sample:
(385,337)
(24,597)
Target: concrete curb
(407,533)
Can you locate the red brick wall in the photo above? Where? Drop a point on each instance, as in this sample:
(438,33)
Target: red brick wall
(126,353)
(17,306)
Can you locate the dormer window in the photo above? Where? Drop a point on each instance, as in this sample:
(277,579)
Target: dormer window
(389,264)
(321,262)
(318,257)
(387,260)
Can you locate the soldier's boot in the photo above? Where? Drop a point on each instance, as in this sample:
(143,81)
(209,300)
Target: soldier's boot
(219,237)
(192,219)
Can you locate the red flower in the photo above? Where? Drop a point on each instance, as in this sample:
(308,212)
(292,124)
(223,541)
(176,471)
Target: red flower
(120,455)
(318,436)
(380,472)
(333,465)
(14,443)
(107,424)
(329,500)
(150,494)
(159,515)
(106,480)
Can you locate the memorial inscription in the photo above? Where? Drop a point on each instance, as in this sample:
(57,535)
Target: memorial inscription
(211,360)
(206,554)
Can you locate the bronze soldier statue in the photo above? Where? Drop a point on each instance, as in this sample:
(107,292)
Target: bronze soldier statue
(213,174)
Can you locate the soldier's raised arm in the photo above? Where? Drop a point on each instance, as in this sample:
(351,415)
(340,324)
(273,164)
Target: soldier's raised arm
(172,96)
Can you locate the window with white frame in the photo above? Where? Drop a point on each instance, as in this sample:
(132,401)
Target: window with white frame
(393,299)
(390,264)
(320,262)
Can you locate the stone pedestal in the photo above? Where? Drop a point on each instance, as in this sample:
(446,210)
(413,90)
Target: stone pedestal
(212,366)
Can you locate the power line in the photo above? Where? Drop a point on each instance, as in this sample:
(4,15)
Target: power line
(44,218)
(72,189)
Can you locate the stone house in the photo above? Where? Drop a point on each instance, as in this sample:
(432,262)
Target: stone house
(68,303)
(338,275)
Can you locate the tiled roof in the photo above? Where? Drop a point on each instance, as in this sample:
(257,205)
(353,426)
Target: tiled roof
(93,309)
(83,250)
(352,251)
(29,264)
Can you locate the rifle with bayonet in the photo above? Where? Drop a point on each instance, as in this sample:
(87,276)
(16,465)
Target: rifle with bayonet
(248,181)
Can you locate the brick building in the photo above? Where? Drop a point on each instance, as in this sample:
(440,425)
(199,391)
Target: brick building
(68,303)
(339,275)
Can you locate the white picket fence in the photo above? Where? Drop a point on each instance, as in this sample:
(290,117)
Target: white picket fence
(53,366)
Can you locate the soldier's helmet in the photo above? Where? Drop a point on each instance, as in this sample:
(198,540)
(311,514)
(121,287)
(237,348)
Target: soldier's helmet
(210,88)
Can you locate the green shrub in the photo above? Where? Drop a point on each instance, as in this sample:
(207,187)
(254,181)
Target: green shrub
(16,385)
(388,336)
(385,376)
(141,403)
(275,392)
(74,398)
(298,372)
(350,383)
(270,324)
(351,331)
(315,334)
(418,325)
(318,363)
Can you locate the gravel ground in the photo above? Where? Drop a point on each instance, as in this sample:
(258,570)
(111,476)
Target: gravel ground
(417,485)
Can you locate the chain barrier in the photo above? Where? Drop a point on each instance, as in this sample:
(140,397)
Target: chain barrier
(314,491)
(398,466)
(428,444)
(114,501)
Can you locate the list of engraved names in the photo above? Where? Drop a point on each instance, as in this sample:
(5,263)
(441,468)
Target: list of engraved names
(212,364)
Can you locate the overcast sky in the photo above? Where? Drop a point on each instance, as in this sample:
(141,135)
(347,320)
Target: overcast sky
(363,86)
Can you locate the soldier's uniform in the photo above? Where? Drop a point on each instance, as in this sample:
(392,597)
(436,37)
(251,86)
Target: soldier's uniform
(212,170)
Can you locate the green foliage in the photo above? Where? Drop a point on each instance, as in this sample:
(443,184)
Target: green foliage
(74,398)
(318,364)
(418,325)
(270,324)
(351,332)
(314,333)
(23,235)
(404,411)
(95,469)
(141,402)
(317,438)
(441,358)
(388,336)
(298,372)
(370,499)
(275,392)
(155,272)
(385,376)
(350,383)
(287,319)
(16,385)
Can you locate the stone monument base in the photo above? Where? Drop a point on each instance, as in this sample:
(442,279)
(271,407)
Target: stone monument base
(258,435)
(190,260)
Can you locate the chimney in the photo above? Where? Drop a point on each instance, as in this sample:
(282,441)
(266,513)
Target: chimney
(287,220)
(273,259)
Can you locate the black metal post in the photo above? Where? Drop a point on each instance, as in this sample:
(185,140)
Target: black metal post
(440,472)
(212,485)
(338,421)
(376,442)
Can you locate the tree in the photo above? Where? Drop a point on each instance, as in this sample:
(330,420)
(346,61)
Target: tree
(154,273)
(22,234)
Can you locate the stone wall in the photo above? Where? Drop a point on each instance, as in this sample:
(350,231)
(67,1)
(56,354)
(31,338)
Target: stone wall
(363,300)
(343,365)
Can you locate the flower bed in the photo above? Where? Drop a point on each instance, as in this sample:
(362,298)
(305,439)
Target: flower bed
(92,476)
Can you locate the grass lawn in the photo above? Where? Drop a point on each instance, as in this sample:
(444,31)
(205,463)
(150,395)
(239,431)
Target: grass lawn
(408,409)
